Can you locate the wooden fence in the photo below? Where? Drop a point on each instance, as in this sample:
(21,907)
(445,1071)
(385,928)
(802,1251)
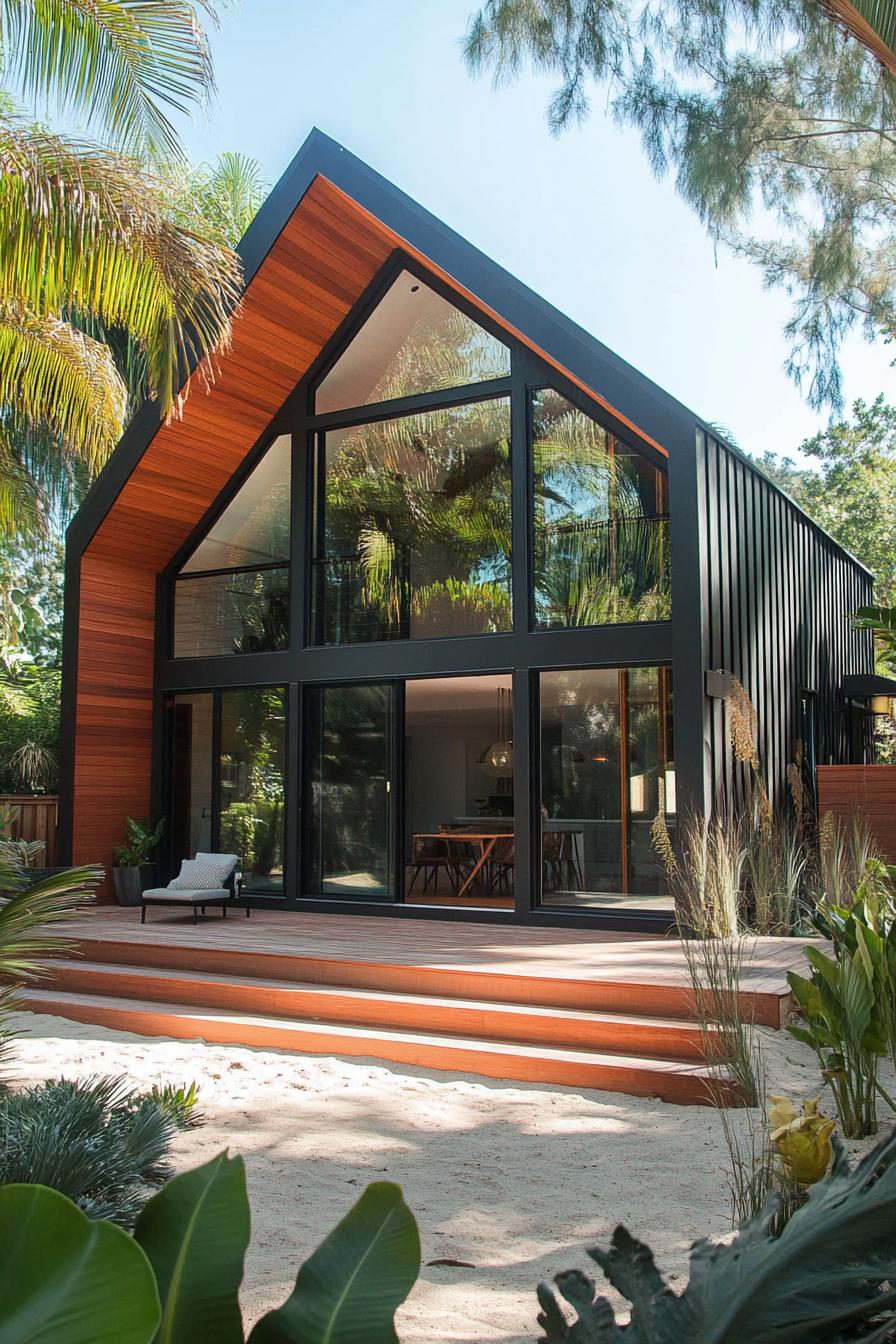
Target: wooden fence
(866,790)
(36,818)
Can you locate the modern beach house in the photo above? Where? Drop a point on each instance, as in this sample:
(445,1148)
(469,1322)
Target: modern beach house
(431,603)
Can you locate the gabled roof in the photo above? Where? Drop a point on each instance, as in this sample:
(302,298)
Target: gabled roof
(317,242)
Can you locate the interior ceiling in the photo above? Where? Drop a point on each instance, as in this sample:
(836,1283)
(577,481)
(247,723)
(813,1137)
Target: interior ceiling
(466,697)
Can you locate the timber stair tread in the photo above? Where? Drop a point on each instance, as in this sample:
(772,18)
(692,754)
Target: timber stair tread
(679,1081)
(514,1019)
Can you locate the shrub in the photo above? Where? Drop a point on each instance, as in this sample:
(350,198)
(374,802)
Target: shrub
(99,1142)
(178,1103)
(28,910)
(66,1280)
(823,1280)
(849,1004)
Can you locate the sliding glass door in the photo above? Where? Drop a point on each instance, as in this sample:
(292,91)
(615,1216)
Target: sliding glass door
(349,791)
(228,781)
(607,787)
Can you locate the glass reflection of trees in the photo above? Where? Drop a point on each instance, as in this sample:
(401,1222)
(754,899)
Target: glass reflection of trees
(413,342)
(349,753)
(252,770)
(414,526)
(601,532)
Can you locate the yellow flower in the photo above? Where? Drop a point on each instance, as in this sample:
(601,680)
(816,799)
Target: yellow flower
(781,1112)
(803,1142)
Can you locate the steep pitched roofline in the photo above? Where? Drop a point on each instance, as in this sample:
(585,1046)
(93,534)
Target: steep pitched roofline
(627,393)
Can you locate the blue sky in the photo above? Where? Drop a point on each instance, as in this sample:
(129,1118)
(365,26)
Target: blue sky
(580,219)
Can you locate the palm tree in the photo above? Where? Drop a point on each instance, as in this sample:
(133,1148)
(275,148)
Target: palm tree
(27,911)
(118,65)
(871,22)
(92,258)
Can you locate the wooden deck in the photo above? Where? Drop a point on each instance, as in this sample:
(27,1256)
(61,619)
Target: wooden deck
(578,1007)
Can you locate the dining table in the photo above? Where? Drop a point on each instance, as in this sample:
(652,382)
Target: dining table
(483,839)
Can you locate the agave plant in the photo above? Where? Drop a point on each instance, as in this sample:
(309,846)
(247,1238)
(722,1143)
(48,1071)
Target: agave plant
(97,1141)
(825,1279)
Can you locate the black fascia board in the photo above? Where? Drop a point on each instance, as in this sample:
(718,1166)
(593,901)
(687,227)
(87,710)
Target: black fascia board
(627,391)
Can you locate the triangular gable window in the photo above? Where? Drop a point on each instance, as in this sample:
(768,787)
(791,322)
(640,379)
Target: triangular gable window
(413,342)
(254,528)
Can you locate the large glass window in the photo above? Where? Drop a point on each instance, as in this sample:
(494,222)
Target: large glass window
(459,815)
(607,772)
(192,785)
(413,527)
(228,780)
(601,539)
(414,341)
(232,594)
(349,794)
(252,764)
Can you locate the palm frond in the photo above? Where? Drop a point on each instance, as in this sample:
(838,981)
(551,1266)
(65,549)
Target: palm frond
(52,373)
(871,22)
(85,230)
(21,515)
(117,64)
(27,914)
(57,476)
(231,195)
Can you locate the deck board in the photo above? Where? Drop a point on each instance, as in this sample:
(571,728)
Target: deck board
(576,954)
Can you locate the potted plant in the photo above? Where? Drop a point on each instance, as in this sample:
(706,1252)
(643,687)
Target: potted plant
(132,872)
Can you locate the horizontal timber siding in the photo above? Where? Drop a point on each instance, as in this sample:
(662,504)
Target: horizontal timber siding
(313,275)
(777,596)
(866,790)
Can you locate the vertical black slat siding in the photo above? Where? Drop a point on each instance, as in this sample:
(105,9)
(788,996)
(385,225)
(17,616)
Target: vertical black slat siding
(780,592)
(716,597)
(742,667)
(782,743)
(758,690)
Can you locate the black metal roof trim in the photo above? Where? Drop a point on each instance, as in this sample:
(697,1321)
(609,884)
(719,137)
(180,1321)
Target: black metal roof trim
(630,393)
(862,687)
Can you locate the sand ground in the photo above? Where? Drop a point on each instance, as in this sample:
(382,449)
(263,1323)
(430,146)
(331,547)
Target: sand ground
(512,1179)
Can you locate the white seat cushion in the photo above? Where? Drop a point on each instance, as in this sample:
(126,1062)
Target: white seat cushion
(174,894)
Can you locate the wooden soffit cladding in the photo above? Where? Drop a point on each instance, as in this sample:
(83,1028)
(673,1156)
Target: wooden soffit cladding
(316,271)
(320,265)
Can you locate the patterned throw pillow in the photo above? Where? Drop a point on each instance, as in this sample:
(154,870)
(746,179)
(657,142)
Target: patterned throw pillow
(196,876)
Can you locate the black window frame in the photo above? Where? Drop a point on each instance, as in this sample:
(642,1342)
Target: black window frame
(523,652)
(217,693)
(173,574)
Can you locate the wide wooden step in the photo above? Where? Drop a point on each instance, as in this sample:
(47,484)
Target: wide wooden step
(527,1024)
(640,996)
(685,1083)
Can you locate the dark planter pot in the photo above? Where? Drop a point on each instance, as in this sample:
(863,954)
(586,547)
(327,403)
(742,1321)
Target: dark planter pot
(130,883)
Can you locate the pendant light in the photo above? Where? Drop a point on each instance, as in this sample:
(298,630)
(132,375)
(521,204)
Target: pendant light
(499,756)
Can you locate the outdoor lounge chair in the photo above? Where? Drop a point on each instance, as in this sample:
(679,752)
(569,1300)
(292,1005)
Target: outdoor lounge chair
(209,879)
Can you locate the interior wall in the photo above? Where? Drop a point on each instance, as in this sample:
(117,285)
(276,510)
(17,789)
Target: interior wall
(445,776)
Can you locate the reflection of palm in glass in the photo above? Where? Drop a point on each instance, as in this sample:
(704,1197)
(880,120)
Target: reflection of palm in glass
(252,788)
(417,525)
(413,342)
(601,529)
